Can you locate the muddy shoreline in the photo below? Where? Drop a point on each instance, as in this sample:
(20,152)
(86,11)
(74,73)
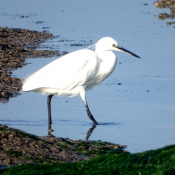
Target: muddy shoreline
(18,147)
(16,45)
(170,4)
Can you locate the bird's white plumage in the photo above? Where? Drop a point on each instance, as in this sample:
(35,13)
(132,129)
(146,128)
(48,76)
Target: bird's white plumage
(76,72)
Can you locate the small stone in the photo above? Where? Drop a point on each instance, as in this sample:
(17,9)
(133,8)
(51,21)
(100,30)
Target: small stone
(4,94)
(7,161)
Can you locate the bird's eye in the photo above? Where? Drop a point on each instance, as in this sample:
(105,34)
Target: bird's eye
(113,45)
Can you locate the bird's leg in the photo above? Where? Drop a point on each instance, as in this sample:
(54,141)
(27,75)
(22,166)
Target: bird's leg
(83,96)
(90,115)
(49,113)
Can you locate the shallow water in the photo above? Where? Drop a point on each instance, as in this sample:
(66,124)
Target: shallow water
(139,111)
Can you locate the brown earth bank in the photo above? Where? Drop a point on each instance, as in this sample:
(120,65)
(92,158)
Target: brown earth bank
(18,147)
(16,45)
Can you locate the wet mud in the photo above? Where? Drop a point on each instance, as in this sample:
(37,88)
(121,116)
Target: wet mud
(170,4)
(18,147)
(16,45)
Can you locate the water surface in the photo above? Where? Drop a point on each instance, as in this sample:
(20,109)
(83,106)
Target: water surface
(139,111)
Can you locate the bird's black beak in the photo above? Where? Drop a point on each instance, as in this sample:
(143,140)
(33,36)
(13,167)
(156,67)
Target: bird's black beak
(126,51)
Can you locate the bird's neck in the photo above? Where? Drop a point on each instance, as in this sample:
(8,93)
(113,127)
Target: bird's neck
(104,55)
(108,60)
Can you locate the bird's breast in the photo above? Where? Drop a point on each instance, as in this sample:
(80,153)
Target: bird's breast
(108,64)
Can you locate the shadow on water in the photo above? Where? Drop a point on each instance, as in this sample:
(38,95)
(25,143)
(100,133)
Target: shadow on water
(108,123)
(21,122)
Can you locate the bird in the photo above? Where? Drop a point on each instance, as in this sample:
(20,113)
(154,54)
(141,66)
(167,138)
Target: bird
(75,73)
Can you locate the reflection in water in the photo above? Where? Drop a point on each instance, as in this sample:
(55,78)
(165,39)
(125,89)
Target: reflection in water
(50,130)
(29,124)
(90,132)
(94,126)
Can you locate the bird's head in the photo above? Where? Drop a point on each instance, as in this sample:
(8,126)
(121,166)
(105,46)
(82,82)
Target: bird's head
(109,44)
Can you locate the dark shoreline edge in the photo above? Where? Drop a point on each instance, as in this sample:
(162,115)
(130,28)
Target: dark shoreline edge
(16,45)
(18,147)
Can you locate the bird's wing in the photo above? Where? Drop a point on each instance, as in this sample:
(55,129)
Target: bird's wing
(64,73)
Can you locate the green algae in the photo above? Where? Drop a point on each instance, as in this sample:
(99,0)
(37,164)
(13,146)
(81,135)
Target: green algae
(157,162)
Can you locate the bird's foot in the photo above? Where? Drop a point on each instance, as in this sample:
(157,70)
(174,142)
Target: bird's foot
(92,118)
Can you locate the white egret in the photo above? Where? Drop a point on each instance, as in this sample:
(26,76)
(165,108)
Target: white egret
(76,73)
